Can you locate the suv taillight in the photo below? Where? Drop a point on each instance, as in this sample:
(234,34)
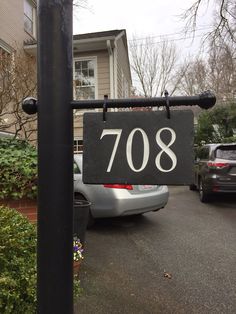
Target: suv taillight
(217,165)
(119,186)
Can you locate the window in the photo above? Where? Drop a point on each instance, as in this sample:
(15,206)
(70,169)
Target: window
(78,146)
(227,152)
(76,168)
(6,62)
(85,78)
(29,17)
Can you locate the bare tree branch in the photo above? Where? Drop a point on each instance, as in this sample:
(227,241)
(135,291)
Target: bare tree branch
(224,25)
(17,81)
(153,65)
(217,72)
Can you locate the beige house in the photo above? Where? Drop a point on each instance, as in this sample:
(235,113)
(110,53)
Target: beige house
(17,23)
(101,67)
(101,63)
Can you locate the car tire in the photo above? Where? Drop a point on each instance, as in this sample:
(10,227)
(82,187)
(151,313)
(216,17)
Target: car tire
(192,187)
(91,220)
(204,197)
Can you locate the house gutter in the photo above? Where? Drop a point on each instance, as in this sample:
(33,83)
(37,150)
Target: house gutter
(91,40)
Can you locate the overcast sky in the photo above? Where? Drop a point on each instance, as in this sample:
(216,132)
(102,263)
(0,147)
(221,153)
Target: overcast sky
(141,18)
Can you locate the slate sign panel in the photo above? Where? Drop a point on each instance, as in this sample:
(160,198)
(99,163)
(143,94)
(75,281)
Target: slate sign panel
(138,148)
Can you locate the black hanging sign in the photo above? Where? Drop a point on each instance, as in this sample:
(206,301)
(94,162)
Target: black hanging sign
(138,147)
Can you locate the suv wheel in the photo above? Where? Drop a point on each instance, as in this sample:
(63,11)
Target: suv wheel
(204,197)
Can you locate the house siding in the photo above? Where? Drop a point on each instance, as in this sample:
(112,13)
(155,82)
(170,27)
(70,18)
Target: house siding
(12,23)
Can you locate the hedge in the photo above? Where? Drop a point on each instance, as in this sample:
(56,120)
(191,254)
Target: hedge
(17,263)
(18,169)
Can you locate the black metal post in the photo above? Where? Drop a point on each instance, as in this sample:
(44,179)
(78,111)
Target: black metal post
(55,157)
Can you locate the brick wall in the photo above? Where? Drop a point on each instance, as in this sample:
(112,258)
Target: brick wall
(26,207)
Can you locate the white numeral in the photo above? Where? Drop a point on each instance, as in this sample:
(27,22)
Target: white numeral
(165,149)
(145,149)
(116,132)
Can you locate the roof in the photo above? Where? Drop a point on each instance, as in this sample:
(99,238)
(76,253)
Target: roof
(111,33)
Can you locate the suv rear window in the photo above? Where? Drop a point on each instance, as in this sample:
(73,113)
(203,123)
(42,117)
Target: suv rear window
(226,152)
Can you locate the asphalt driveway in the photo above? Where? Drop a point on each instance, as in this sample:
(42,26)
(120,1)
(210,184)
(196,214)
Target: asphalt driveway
(181,259)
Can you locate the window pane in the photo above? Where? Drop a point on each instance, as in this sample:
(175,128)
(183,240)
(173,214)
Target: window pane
(226,153)
(78,147)
(84,64)
(90,64)
(77,65)
(76,168)
(85,93)
(28,25)
(91,72)
(28,9)
(85,72)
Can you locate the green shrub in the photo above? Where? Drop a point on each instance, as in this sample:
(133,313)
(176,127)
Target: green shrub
(17,263)
(18,169)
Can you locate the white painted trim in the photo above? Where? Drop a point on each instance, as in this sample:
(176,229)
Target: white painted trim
(121,34)
(5,46)
(90,40)
(35,22)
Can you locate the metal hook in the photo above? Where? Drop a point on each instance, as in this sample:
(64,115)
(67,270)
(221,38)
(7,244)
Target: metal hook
(105,108)
(167,104)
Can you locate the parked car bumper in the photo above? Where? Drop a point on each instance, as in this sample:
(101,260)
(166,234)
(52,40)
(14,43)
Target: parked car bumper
(219,185)
(124,204)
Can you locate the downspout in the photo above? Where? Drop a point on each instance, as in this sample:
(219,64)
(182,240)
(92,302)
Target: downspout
(111,68)
(115,70)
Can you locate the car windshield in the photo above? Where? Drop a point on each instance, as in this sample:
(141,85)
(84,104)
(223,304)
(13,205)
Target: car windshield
(226,153)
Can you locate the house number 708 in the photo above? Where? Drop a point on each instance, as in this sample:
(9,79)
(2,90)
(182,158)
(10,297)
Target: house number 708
(146,148)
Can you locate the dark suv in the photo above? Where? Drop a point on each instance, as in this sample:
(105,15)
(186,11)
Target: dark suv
(215,170)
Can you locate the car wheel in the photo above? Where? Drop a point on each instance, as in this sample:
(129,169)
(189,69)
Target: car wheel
(91,219)
(192,187)
(204,197)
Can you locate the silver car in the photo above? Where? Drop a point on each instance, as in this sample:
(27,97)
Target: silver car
(111,200)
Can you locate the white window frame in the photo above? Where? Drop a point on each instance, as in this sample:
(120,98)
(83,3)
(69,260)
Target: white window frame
(33,20)
(89,58)
(76,139)
(4,46)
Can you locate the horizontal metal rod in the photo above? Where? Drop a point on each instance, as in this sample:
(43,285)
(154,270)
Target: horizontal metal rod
(205,101)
